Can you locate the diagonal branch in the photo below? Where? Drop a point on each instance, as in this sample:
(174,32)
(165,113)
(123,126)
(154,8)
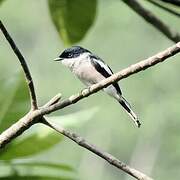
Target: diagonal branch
(164,8)
(106,156)
(135,68)
(23,64)
(153,20)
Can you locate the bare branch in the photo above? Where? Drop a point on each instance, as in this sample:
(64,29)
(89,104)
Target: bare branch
(23,64)
(106,156)
(164,8)
(18,128)
(153,20)
(135,68)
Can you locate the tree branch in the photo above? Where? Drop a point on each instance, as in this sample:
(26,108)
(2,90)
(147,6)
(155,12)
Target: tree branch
(135,68)
(106,156)
(153,20)
(23,64)
(164,8)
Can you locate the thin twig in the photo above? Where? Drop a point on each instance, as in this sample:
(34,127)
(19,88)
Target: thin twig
(164,8)
(54,100)
(106,156)
(153,20)
(23,64)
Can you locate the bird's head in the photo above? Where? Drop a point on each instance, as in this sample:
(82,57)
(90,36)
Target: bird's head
(72,53)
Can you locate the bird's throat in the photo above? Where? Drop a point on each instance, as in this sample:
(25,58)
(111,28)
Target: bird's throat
(68,63)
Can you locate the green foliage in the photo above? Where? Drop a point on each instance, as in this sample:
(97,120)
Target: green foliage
(14,100)
(40,140)
(15,166)
(1,1)
(43,164)
(72,18)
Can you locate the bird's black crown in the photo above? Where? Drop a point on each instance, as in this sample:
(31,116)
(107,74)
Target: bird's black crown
(73,52)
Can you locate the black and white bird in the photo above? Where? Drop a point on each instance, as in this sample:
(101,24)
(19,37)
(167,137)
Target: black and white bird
(91,69)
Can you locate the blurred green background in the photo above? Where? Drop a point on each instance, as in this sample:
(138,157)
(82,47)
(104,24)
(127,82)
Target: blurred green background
(121,38)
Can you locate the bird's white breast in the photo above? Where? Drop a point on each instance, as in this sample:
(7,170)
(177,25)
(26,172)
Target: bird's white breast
(83,69)
(86,72)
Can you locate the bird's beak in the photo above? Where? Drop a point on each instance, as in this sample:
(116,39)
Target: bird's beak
(58,59)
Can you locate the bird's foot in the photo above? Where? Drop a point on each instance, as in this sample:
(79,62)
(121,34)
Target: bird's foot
(85,92)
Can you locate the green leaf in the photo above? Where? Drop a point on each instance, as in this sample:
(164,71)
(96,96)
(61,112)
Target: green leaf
(14,100)
(41,140)
(72,18)
(1,1)
(16,177)
(43,164)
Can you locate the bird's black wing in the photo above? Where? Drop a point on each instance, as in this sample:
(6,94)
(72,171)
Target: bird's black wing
(104,69)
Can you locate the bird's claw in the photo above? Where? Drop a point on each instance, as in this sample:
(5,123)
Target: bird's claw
(85,91)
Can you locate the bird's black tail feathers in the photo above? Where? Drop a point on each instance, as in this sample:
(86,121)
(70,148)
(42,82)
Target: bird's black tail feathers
(128,109)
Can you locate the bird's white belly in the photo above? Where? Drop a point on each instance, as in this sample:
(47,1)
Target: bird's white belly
(88,74)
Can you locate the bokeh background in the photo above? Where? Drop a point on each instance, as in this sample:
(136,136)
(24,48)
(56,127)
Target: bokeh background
(121,38)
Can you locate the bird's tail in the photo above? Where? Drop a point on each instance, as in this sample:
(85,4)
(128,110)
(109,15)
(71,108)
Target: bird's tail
(128,109)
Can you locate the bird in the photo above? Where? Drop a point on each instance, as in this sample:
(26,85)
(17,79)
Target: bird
(91,69)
